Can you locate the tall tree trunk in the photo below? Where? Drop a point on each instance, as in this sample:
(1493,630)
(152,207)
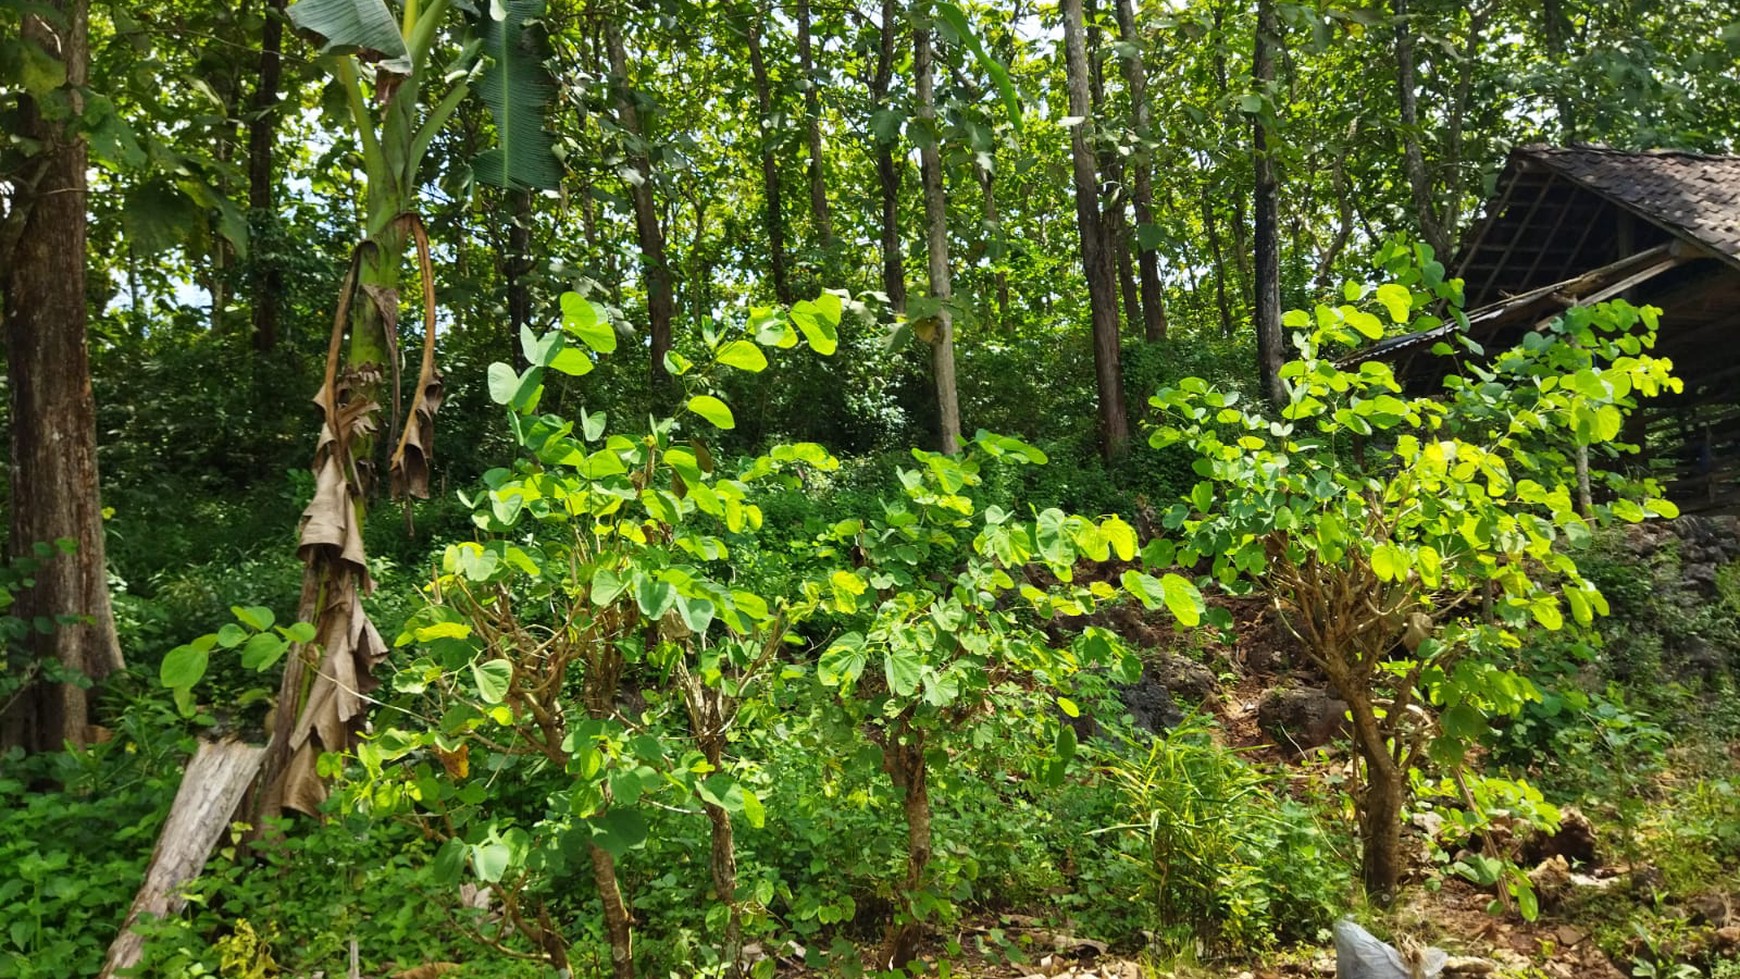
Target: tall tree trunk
(660,304)
(1267,313)
(887,171)
(1102,287)
(1113,223)
(1148,260)
(54,436)
(774,214)
(268,292)
(936,222)
(1413,158)
(813,129)
(1211,225)
(1240,253)
(994,227)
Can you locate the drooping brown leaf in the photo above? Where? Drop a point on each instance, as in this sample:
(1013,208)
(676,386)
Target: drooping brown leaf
(408,472)
(322,698)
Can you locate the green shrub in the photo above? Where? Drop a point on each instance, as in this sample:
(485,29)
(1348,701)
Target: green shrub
(74,857)
(1230,865)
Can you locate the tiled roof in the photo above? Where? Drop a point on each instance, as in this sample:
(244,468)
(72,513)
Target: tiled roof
(1695,195)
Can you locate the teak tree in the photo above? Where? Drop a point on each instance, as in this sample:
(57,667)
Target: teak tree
(55,508)
(942,602)
(596,566)
(1380,525)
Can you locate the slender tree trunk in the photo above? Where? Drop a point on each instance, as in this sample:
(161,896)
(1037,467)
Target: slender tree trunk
(54,438)
(1557,31)
(1458,113)
(906,767)
(1267,313)
(1211,225)
(262,141)
(1413,158)
(1344,210)
(774,214)
(994,228)
(1114,224)
(722,861)
(1102,286)
(936,221)
(618,922)
(1240,253)
(1148,260)
(813,130)
(887,172)
(660,303)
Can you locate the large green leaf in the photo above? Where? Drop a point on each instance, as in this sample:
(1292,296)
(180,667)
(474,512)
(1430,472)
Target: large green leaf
(956,19)
(516,86)
(365,28)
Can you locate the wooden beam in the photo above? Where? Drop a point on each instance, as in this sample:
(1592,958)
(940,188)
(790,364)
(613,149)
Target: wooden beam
(1552,235)
(1528,219)
(211,789)
(1486,222)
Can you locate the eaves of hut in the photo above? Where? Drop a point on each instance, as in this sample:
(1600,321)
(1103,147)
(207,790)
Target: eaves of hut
(1578,225)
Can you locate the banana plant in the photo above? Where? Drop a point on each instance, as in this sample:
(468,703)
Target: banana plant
(383,64)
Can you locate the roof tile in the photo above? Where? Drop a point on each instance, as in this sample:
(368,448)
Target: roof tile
(1698,195)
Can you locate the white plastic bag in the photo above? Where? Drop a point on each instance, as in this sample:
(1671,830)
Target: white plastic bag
(1359,955)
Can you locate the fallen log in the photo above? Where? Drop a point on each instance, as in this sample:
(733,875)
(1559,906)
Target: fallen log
(211,789)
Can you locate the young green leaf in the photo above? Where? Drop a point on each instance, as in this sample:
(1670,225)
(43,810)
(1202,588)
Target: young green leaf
(492,677)
(743,355)
(713,410)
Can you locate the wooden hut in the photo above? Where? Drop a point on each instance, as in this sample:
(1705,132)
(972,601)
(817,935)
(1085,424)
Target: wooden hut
(1578,225)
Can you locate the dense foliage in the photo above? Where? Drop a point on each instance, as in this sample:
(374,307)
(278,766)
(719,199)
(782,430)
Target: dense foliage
(686,585)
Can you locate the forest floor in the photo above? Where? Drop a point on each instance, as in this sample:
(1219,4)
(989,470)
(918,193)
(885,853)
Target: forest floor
(1601,899)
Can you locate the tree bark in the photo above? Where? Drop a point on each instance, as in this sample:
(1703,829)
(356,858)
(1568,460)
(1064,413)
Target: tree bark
(660,304)
(1380,804)
(993,227)
(618,922)
(1413,158)
(774,213)
(813,130)
(936,221)
(1267,313)
(887,172)
(54,438)
(1147,259)
(1211,225)
(212,786)
(906,768)
(262,141)
(1102,285)
(1114,224)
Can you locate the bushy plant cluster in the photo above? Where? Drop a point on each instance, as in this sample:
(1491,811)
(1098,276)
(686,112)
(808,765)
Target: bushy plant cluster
(664,707)
(1228,863)
(72,857)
